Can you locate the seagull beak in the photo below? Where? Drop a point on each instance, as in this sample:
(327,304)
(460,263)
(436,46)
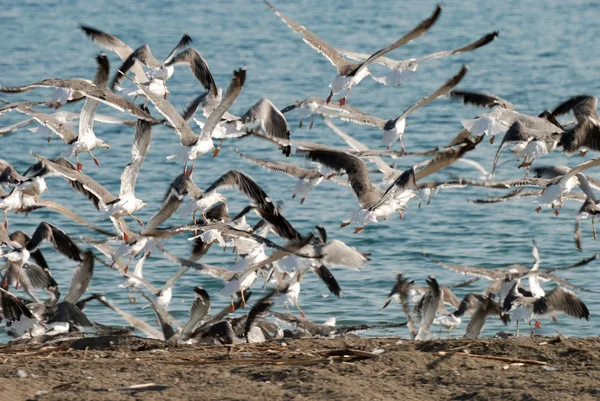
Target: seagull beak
(106,146)
(144,205)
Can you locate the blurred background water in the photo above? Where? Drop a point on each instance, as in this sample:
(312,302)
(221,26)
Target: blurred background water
(544,54)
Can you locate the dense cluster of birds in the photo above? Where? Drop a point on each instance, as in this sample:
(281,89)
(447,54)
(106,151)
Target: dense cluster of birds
(280,263)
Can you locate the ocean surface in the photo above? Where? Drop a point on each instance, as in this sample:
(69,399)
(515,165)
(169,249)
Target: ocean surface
(545,53)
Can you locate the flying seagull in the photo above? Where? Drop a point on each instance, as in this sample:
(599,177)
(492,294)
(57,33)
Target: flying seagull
(350,73)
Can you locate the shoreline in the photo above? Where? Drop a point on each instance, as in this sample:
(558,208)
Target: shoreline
(128,368)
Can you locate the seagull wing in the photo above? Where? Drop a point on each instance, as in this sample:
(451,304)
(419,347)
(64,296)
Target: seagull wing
(82,276)
(355,168)
(583,106)
(112,43)
(561,300)
(481,99)
(265,207)
(57,207)
(90,90)
(358,146)
(447,87)
(198,66)
(490,37)
(57,237)
(88,112)
(139,150)
(17,126)
(64,131)
(417,31)
(80,182)
(233,91)
(186,135)
(287,168)
(314,41)
(139,324)
(271,119)
(184,42)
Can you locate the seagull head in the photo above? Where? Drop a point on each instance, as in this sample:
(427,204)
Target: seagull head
(101,144)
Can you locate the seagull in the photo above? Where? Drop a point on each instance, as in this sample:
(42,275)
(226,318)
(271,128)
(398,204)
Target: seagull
(162,295)
(21,251)
(486,307)
(503,278)
(59,122)
(196,145)
(144,56)
(24,186)
(263,203)
(328,329)
(307,178)
(503,117)
(404,69)
(350,73)
(133,282)
(469,304)
(393,129)
(377,204)
(90,91)
(429,307)
(86,140)
(585,134)
(589,208)
(559,300)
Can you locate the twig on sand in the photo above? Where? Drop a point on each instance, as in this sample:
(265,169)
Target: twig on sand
(495,358)
(340,355)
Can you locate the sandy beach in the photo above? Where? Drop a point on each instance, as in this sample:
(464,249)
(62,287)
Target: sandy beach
(132,368)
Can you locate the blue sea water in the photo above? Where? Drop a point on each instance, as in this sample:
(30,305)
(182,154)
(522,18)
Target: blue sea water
(544,54)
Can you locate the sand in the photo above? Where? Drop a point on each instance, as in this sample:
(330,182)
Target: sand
(132,368)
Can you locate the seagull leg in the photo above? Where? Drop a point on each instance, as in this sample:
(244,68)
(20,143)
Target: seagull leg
(134,296)
(344,223)
(556,212)
(492,139)
(517,332)
(329,97)
(136,219)
(300,124)
(18,277)
(185,168)
(530,329)
(79,165)
(218,149)
(302,200)
(125,236)
(537,324)
(537,209)
(312,121)
(402,144)
(95,160)
(554,319)
(300,310)
(582,152)
(359,229)
(128,295)
(5,219)
(593,228)
(343,100)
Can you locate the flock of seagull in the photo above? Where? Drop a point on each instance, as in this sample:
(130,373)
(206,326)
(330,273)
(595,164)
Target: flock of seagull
(280,262)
